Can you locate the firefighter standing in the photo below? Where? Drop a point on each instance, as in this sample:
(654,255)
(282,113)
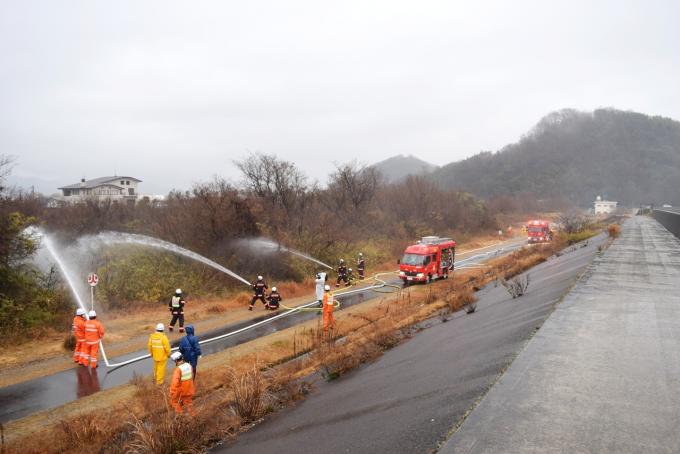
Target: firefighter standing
(273,300)
(259,289)
(182,385)
(444,266)
(320,281)
(176,306)
(190,348)
(79,333)
(94,332)
(361,266)
(342,274)
(159,349)
(328,302)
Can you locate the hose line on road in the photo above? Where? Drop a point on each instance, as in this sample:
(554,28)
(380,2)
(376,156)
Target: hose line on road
(307,306)
(376,287)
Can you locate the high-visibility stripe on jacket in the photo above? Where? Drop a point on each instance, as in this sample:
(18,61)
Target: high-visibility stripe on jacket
(328,302)
(159,346)
(94,331)
(79,327)
(186,372)
(179,387)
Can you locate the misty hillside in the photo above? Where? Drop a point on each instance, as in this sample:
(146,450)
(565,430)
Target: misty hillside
(398,167)
(628,157)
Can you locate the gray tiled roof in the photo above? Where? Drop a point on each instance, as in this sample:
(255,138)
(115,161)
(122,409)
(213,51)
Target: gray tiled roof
(99,182)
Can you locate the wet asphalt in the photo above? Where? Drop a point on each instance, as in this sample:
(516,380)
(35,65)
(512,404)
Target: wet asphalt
(50,391)
(25,398)
(603,374)
(409,399)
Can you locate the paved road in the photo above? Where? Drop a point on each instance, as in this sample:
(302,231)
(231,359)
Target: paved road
(409,399)
(47,392)
(603,374)
(50,391)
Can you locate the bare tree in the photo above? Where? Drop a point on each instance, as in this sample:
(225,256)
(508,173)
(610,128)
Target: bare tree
(280,183)
(5,170)
(353,186)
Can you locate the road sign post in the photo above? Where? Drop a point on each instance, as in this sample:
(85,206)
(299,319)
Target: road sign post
(93,280)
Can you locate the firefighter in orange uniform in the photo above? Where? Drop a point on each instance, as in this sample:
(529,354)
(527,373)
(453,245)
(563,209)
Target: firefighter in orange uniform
(79,333)
(328,301)
(182,385)
(94,332)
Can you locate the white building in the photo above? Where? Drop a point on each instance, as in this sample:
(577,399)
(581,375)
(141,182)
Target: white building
(604,206)
(103,188)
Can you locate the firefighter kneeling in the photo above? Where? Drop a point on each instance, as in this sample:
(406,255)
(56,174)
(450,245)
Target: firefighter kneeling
(273,300)
(182,385)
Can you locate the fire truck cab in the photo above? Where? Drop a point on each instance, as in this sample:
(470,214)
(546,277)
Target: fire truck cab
(430,258)
(538,231)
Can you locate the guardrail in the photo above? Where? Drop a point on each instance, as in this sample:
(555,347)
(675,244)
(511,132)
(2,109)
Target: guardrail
(670,219)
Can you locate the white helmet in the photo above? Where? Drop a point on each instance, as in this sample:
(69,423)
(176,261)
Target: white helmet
(273,289)
(160,327)
(259,278)
(176,356)
(360,254)
(349,269)
(327,288)
(92,314)
(80,311)
(178,291)
(342,261)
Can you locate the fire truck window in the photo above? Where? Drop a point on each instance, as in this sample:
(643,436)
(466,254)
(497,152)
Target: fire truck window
(427,260)
(413,259)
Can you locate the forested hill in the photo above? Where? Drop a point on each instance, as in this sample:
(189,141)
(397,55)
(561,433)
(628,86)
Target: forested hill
(626,156)
(399,167)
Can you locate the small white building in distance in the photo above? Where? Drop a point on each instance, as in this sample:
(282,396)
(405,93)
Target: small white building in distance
(101,189)
(604,206)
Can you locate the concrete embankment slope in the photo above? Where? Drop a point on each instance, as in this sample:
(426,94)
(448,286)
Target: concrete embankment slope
(603,374)
(408,400)
(669,218)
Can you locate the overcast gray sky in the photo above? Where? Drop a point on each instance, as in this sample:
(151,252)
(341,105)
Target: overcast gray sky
(173,92)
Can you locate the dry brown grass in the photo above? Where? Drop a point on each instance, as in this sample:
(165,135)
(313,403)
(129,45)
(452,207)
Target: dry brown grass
(217,309)
(69,342)
(291,289)
(614,230)
(166,432)
(251,397)
(230,398)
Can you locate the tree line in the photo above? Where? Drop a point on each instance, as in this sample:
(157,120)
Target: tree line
(355,211)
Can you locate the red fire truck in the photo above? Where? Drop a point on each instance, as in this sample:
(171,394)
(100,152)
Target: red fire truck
(538,231)
(428,259)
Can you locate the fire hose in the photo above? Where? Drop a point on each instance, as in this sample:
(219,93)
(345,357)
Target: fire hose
(290,311)
(379,284)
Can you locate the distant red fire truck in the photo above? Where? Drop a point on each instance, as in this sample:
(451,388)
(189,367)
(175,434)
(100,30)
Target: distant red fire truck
(430,258)
(539,231)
